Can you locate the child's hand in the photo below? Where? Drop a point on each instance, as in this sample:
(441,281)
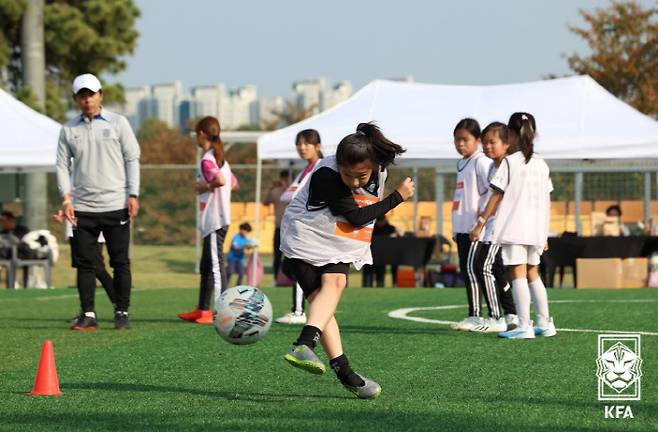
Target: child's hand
(407,188)
(200,188)
(475,233)
(59,216)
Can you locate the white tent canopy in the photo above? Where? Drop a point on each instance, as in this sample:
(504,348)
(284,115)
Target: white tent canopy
(28,139)
(576,119)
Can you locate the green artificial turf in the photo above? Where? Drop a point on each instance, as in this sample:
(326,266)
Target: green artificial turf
(165,374)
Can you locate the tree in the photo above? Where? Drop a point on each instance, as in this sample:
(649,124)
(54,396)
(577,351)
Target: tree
(623,40)
(291,114)
(162,145)
(80,36)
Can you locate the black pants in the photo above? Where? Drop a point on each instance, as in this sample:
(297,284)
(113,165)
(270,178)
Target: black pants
(101,272)
(487,275)
(463,246)
(379,271)
(115,227)
(276,263)
(212,269)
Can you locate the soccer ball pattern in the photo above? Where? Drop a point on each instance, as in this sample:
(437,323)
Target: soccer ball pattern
(244,315)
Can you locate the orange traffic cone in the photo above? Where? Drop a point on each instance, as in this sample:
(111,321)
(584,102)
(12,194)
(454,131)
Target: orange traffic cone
(46,382)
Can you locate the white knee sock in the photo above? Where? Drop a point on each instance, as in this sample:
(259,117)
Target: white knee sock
(299,299)
(521,295)
(540,299)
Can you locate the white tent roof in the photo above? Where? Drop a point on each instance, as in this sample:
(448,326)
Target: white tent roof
(28,139)
(576,119)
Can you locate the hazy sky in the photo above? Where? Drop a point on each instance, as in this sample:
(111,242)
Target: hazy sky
(272,43)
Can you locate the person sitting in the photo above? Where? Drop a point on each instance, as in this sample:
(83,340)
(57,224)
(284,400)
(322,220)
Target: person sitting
(10,226)
(613,225)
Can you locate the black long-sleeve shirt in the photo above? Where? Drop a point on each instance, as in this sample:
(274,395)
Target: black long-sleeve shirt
(328,190)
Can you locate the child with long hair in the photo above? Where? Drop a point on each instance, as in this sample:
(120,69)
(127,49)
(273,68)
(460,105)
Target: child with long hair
(485,259)
(521,196)
(308,146)
(327,227)
(215,204)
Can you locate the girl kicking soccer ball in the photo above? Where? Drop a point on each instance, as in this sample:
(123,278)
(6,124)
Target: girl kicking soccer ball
(521,192)
(327,227)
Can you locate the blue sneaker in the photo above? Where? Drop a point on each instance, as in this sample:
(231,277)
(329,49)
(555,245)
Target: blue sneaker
(519,333)
(547,331)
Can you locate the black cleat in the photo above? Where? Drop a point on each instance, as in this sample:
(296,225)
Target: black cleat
(85,322)
(75,318)
(121,320)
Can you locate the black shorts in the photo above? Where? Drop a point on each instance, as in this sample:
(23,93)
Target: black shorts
(308,276)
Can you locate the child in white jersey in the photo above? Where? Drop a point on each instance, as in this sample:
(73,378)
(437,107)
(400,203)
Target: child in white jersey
(327,227)
(308,145)
(485,258)
(215,205)
(470,190)
(521,196)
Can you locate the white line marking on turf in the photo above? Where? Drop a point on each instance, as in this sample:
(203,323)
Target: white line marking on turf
(68,296)
(403,314)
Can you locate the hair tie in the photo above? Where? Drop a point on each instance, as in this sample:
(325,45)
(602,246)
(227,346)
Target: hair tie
(360,132)
(524,117)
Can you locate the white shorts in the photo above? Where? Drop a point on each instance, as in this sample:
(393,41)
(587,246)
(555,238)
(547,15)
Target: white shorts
(520,254)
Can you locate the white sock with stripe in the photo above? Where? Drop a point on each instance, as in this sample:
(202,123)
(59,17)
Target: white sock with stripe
(521,294)
(540,299)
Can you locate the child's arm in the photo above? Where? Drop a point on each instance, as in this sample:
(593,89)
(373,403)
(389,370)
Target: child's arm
(490,209)
(235,244)
(212,174)
(328,190)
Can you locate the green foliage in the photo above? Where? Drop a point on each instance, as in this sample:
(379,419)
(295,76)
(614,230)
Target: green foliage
(80,36)
(27,96)
(10,17)
(168,208)
(623,58)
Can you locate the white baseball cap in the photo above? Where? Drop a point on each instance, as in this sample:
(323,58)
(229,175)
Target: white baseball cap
(86,81)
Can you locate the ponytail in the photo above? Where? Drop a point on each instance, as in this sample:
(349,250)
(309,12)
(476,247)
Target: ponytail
(367,143)
(523,125)
(211,129)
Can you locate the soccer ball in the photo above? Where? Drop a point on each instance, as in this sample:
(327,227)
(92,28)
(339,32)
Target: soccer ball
(244,315)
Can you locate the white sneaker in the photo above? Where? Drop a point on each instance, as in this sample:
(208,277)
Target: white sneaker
(519,333)
(512,321)
(292,318)
(491,325)
(467,324)
(547,331)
